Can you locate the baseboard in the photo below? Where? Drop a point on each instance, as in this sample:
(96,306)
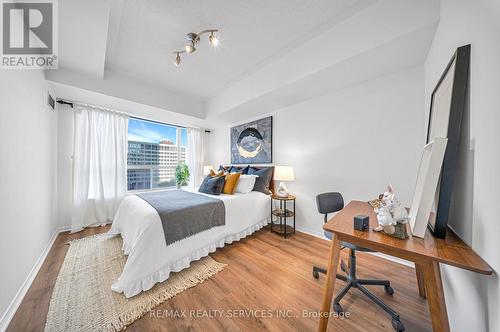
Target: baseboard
(18,298)
(378,254)
(313,233)
(393,259)
(65,229)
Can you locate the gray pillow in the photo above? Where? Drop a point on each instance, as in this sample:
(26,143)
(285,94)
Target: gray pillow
(263,182)
(234,169)
(212,185)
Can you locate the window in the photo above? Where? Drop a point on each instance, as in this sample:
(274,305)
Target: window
(154,151)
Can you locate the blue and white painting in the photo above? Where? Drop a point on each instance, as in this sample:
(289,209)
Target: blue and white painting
(251,143)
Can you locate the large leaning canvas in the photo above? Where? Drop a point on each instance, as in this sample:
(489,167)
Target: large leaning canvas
(251,143)
(445,120)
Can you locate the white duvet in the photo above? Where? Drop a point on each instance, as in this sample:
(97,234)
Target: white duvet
(150,260)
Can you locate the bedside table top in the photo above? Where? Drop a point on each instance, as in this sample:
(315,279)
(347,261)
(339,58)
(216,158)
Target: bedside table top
(279,198)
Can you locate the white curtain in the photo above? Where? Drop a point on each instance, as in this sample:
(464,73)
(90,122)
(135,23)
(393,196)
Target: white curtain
(195,156)
(100,165)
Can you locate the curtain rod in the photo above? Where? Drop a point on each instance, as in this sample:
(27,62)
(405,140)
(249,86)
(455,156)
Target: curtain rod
(71,103)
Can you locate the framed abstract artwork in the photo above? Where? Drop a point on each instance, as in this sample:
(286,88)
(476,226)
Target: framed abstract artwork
(445,120)
(252,142)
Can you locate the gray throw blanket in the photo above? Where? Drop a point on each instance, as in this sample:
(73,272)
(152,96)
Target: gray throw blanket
(185,213)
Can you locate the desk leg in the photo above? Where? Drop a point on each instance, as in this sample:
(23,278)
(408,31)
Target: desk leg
(435,297)
(419,270)
(333,263)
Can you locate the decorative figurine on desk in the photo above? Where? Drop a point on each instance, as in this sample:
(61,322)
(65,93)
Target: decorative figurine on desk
(391,215)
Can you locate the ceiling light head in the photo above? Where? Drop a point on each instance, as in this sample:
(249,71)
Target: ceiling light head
(190,47)
(213,39)
(192,39)
(177,61)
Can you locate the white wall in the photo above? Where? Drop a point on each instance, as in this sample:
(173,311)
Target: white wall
(65,135)
(354,141)
(472,299)
(28,130)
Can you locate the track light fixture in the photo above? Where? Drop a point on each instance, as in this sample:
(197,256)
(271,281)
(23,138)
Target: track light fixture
(193,39)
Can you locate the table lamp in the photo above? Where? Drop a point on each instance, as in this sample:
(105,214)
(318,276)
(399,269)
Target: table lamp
(283,173)
(207,169)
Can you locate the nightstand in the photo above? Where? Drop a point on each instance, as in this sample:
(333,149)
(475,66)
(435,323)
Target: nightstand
(282,214)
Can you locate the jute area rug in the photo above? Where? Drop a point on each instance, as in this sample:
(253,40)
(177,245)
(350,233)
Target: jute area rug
(83,300)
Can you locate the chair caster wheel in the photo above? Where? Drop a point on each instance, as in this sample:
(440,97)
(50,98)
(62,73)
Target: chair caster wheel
(337,308)
(397,325)
(389,290)
(315,274)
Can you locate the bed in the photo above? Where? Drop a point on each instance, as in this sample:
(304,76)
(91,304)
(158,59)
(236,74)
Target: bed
(150,260)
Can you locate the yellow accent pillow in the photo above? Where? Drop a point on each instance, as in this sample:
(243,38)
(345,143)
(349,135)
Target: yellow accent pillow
(213,174)
(230,184)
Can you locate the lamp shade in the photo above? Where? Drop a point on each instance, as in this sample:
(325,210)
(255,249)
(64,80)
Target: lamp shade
(207,169)
(283,173)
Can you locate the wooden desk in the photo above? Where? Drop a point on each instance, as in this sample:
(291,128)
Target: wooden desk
(426,253)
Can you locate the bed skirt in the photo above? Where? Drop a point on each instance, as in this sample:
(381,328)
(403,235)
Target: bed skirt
(162,274)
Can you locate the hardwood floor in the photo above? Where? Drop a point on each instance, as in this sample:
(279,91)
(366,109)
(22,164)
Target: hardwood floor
(266,276)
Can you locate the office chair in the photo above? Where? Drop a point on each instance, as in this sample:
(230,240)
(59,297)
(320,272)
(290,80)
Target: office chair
(333,202)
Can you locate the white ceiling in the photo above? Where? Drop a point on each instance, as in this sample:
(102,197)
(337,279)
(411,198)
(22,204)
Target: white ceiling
(384,38)
(123,48)
(252,32)
(83,29)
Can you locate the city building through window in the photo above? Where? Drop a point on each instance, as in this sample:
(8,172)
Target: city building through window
(154,151)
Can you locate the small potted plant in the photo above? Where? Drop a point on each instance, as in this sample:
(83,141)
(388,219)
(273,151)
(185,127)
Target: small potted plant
(181,175)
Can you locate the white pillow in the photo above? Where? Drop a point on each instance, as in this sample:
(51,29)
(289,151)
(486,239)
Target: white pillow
(245,183)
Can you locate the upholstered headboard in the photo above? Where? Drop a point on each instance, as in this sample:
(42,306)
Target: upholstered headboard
(271,185)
